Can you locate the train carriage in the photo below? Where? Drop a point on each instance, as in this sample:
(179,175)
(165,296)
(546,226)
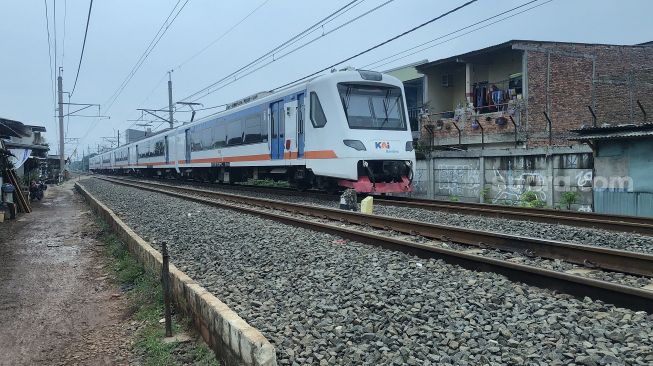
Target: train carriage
(347,129)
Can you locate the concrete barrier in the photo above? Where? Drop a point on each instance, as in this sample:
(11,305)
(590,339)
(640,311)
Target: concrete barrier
(233,340)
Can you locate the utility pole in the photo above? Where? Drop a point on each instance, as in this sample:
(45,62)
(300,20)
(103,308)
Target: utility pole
(170,98)
(118,138)
(62,162)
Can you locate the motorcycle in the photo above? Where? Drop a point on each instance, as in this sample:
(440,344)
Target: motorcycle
(36,190)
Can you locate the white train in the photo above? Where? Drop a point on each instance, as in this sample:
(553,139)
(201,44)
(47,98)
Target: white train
(346,129)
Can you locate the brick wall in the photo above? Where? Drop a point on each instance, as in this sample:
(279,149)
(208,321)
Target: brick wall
(564,79)
(567,78)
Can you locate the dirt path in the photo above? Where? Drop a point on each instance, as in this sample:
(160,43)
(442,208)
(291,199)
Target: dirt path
(56,304)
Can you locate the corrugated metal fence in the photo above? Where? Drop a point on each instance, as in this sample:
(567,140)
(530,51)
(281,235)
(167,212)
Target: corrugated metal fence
(624,203)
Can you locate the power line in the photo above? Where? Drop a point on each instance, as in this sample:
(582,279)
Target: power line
(54,26)
(81,56)
(296,49)
(47,27)
(162,30)
(454,32)
(149,95)
(286,44)
(221,36)
(381,44)
(157,37)
(202,51)
(63,41)
(271,52)
(371,48)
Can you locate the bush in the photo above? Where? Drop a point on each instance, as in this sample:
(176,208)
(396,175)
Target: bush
(529,199)
(569,198)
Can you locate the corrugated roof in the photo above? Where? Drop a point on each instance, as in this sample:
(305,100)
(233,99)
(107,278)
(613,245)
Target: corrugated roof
(624,131)
(509,44)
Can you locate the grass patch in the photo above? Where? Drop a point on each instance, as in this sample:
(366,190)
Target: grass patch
(267,183)
(145,295)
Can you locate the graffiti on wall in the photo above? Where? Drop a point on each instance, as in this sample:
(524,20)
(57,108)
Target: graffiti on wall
(459,180)
(511,186)
(584,179)
(585,208)
(420,182)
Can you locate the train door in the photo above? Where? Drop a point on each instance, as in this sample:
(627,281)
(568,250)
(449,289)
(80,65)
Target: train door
(136,154)
(167,149)
(277,128)
(188,146)
(300,125)
(129,156)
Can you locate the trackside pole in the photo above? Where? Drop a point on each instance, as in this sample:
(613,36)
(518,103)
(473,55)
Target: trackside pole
(165,281)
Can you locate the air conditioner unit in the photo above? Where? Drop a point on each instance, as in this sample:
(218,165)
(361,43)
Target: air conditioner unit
(447,80)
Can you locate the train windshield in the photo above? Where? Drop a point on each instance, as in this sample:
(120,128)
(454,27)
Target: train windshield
(372,107)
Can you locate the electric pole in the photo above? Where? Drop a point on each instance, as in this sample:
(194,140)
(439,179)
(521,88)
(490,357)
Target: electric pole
(170,98)
(62,161)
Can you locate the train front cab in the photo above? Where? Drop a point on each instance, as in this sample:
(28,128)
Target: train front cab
(361,115)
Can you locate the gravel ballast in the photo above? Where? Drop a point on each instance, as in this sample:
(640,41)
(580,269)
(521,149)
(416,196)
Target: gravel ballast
(323,300)
(571,234)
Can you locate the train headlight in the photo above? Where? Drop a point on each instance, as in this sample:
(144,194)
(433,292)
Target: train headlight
(409,145)
(355,144)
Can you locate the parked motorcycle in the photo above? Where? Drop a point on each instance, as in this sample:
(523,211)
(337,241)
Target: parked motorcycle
(36,190)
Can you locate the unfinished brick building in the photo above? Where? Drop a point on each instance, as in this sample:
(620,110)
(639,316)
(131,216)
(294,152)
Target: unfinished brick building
(529,93)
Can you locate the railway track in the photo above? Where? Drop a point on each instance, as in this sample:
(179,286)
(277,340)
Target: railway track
(621,223)
(640,225)
(639,264)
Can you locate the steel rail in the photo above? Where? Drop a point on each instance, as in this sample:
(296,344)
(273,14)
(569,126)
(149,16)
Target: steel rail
(622,223)
(611,259)
(640,225)
(620,295)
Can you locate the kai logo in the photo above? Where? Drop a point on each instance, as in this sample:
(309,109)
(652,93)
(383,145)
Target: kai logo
(382,145)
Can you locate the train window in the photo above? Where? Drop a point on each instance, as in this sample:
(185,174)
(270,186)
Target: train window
(252,129)
(372,107)
(219,136)
(318,119)
(206,138)
(159,148)
(235,133)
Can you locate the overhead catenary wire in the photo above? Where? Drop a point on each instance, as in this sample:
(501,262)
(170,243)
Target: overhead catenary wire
(316,26)
(221,36)
(47,28)
(155,40)
(296,38)
(365,51)
(54,29)
(63,40)
(271,52)
(81,55)
(52,83)
(370,48)
(296,49)
(194,56)
(380,44)
(393,59)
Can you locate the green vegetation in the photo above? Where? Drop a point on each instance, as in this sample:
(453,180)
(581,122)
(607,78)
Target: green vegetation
(146,301)
(454,198)
(529,199)
(569,198)
(267,183)
(485,194)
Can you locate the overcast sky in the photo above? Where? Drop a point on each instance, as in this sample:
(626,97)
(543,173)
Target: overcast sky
(120,30)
